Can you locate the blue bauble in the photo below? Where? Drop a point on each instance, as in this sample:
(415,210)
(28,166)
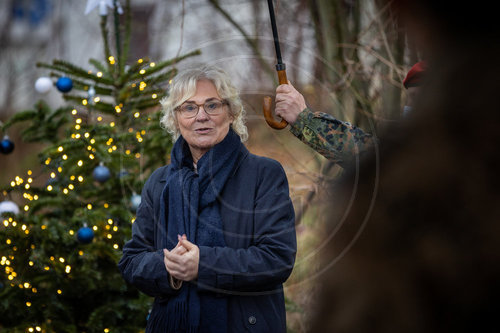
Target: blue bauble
(64,84)
(123,173)
(85,235)
(135,201)
(6,145)
(101,173)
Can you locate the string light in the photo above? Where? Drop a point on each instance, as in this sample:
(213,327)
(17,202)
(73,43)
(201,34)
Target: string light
(111,60)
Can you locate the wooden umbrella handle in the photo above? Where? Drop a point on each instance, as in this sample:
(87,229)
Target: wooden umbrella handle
(268,102)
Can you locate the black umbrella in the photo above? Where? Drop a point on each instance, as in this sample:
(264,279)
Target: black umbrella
(281,69)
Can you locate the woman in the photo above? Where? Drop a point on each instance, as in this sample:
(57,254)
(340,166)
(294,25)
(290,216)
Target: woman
(233,210)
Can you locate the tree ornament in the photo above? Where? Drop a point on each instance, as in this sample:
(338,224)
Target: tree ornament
(8,206)
(123,173)
(103,4)
(101,173)
(85,235)
(91,92)
(64,84)
(135,201)
(6,145)
(43,85)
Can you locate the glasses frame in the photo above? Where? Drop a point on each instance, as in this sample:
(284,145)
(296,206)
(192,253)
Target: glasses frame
(178,109)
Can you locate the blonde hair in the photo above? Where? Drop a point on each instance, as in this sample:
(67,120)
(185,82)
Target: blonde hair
(183,87)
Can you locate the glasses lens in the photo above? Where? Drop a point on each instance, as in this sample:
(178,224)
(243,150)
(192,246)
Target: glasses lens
(188,109)
(212,107)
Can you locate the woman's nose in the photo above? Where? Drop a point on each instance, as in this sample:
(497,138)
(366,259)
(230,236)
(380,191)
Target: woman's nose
(202,115)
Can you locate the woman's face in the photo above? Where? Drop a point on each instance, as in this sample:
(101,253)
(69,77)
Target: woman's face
(204,131)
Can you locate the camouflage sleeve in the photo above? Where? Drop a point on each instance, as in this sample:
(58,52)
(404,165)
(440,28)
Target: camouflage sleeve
(336,140)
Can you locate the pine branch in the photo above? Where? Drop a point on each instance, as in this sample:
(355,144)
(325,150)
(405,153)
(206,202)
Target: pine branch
(72,70)
(128,32)
(99,66)
(118,46)
(104,34)
(133,74)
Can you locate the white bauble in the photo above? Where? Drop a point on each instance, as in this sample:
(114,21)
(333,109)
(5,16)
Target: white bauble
(8,206)
(135,201)
(43,85)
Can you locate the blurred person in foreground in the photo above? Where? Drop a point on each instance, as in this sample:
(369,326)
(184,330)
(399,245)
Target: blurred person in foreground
(214,237)
(416,247)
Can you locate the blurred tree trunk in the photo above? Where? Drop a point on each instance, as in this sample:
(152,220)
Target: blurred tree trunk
(394,50)
(337,25)
(338,30)
(7,99)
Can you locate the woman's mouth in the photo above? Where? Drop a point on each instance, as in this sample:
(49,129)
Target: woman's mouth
(203,130)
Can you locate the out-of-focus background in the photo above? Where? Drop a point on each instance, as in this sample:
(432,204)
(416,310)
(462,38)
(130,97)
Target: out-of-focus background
(347,57)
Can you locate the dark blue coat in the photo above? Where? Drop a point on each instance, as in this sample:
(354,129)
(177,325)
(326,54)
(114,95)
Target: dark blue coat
(258,222)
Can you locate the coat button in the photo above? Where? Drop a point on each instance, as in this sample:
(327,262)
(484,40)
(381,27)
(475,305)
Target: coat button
(252,320)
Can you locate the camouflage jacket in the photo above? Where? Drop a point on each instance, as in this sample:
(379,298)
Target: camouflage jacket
(336,140)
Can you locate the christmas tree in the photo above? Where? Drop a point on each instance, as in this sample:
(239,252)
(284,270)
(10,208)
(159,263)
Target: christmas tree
(59,250)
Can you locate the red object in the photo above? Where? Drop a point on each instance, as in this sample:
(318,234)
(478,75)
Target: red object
(415,75)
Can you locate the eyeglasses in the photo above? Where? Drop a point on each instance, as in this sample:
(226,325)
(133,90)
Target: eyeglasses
(190,110)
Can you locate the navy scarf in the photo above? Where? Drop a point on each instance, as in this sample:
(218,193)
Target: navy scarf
(189,206)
